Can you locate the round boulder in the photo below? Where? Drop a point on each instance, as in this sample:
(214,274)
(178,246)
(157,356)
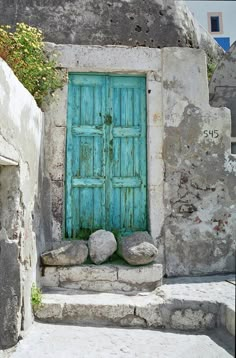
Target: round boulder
(102,244)
(137,249)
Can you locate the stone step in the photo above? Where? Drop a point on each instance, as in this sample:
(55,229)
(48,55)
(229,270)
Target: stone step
(147,310)
(182,303)
(104,278)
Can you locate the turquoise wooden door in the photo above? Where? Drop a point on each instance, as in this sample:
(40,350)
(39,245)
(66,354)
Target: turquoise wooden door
(106,154)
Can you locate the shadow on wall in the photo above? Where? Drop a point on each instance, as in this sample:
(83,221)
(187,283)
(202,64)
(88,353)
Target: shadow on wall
(10,241)
(222,89)
(15,268)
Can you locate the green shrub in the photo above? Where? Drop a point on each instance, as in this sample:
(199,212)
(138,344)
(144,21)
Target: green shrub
(24,52)
(36,297)
(211,66)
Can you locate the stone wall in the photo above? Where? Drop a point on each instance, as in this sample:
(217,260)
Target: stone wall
(21,127)
(200,175)
(151,23)
(191,185)
(223,87)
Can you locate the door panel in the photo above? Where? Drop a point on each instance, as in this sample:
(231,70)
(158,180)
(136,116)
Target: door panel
(128,204)
(106,154)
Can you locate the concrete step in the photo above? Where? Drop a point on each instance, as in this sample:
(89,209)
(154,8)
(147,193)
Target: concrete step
(182,304)
(142,310)
(104,278)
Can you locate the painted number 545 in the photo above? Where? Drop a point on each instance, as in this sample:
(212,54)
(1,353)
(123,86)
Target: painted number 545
(214,133)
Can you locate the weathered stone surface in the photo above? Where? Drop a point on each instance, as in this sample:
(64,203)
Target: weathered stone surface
(10,291)
(227,317)
(192,319)
(150,274)
(88,273)
(104,342)
(222,87)
(137,249)
(21,134)
(86,22)
(179,304)
(230,320)
(102,244)
(185,199)
(101,309)
(105,278)
(71,253)
(50,277)
(200,212)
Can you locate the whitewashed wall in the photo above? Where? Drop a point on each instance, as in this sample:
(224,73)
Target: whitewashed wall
(228,9)
(21,125)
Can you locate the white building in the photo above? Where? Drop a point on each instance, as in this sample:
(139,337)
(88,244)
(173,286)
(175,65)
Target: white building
(218,17)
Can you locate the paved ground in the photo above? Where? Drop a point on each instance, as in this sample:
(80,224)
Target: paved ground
(59,341)
(209,288)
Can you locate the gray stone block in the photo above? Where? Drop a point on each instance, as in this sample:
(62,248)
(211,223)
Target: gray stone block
(71,253)
(102,244)
(104,278)
(137,249)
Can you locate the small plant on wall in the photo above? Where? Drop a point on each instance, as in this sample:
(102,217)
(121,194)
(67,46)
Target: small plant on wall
(36,298)
(23,50)
(211,66)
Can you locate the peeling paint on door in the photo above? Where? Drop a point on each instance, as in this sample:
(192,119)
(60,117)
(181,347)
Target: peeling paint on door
(106,154)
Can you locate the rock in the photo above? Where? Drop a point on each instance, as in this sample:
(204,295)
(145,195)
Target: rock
(102,244)
(137,249)
(168,17)
(71,253)
(10,291)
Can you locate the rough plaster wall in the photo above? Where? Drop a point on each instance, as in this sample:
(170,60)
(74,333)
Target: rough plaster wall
(152,23)
(223,85)
(20,139)
(200,176)
(54,153)
(10,294)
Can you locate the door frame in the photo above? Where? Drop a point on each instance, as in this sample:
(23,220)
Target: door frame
(68,168)
(123,60)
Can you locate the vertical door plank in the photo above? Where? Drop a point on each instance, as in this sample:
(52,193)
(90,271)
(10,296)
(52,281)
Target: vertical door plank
(76,118)
(143,156)
(132,152)
(69,139)
(86,157)
(129,141)
(137,156)
(108,152)
(123,155)
(99,164)
(116,192)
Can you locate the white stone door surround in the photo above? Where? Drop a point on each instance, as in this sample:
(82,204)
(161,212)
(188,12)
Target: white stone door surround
(127,60)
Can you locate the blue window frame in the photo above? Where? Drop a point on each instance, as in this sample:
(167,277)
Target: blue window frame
(215,24)
(224,42)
